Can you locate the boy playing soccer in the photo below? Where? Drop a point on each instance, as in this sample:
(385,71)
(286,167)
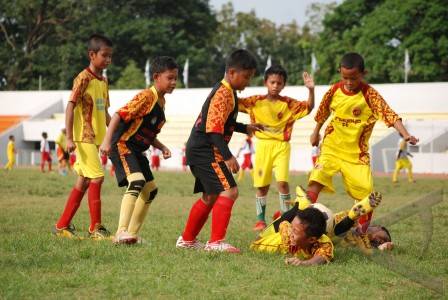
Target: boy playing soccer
(61,151)
(277,114)
(11,153)
(403,161)
(86,118)
(247,150)
(210,159)
(132,130)
(355,107)
(45,152)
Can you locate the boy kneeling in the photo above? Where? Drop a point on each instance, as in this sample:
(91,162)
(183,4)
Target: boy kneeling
(303,239)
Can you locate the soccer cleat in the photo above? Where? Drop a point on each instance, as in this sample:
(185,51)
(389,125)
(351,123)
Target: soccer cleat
(124,238)
(100,233)
(276,215)
(69,232)
(194,244)
(365,206)
(259,226)
(220,246)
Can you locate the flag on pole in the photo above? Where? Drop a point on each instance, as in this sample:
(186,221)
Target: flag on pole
(147,75)
(268,63)
(314,64)
(407,65)
(185,73)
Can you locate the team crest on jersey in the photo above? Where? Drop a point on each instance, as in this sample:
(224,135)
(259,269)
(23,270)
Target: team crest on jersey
(356,111)
(280,115)
(153,120)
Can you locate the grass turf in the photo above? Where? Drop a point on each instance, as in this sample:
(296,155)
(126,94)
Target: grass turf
(34,264)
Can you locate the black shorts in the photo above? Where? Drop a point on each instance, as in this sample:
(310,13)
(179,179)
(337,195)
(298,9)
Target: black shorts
(212,178)
(133,162)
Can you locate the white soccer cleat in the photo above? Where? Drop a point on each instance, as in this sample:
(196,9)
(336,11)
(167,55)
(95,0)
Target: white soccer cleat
(221,246)
(124,238)
(195,244)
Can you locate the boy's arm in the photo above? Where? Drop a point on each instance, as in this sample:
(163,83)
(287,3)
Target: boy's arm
(113,125)
(165,151)
(69,126)
(322,114)
(315,260)
(315,136)
(245,104)
(309,83)
(398,125)
(108,118)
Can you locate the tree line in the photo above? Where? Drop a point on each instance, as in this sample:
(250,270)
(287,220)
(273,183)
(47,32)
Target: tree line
(47,39)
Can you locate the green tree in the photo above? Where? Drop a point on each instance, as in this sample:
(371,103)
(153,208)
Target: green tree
(131,78)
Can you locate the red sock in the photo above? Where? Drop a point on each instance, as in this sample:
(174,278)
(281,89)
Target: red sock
(198,216)
(222,210)
(72,205)
(364,221)
(312,196)
(94,204)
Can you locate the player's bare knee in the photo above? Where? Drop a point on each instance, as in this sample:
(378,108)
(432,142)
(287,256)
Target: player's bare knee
(231,193)
(283,187)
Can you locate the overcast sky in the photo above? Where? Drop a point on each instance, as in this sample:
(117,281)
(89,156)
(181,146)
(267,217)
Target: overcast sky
(278,11)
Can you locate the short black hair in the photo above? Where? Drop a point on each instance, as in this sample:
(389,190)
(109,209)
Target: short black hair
(278,70)
(162,63)
(241,59)
(11,137)
(44,134)
(352,60)
(96,41)
(315,221)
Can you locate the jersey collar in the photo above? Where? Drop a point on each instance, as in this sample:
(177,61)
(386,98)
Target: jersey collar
(226,84)
(161,101)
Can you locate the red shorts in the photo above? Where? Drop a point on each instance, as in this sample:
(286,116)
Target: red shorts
(46,156)
(155,161)
(72,159)
(184,160)
(247,163)
(104,160)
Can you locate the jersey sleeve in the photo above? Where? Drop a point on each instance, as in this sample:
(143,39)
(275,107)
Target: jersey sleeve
(221,105)
(325,250)
(323,112)
(381,110)
(138,107)
(299,109)
(245,104)
(79,87)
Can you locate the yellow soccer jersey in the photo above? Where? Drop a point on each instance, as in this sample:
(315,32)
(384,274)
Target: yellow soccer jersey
(10,149)
(279,242)
(61,141)
(353,118)
(91,98)
(278,116)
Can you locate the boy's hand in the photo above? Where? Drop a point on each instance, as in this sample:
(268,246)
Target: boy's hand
(232,165)
(294,261)
(105,148)
(315,139)
(251,128)
(308,80)
(411,140)
(166,153)
(70,146)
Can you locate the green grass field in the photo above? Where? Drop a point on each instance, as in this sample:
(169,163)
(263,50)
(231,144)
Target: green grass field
(34,264)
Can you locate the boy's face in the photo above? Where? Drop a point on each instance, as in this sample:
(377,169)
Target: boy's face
(239,79)
(298,235)
(275,84)
(351,78)
(101,59)
(166,81)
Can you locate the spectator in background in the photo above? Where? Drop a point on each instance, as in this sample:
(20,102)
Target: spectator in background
(45,153)
(11,153)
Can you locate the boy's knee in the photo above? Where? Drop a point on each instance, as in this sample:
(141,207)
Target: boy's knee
(135,187)
(231,193)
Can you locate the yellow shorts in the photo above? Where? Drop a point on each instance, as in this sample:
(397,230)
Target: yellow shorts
(271,154)
(357,178)
(88,161)
(403,163)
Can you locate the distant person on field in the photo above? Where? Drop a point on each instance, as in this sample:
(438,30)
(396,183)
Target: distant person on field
(132,130)
(354,107)
(45,152)
(210,159)
(277,114)
(86,117)
(11,153)
(184,157)
(61,151)
(403,162)
(155,158)
(247,150)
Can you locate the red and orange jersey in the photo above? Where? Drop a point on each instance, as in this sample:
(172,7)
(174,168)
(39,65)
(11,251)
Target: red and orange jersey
(354,115)
(91,98)
(277,116)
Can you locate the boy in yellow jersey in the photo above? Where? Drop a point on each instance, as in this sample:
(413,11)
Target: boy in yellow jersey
(403,162)
(302,237)
(132,130)
(86,118)
(355,107)
(11,153)
(277,114)
(61,151)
